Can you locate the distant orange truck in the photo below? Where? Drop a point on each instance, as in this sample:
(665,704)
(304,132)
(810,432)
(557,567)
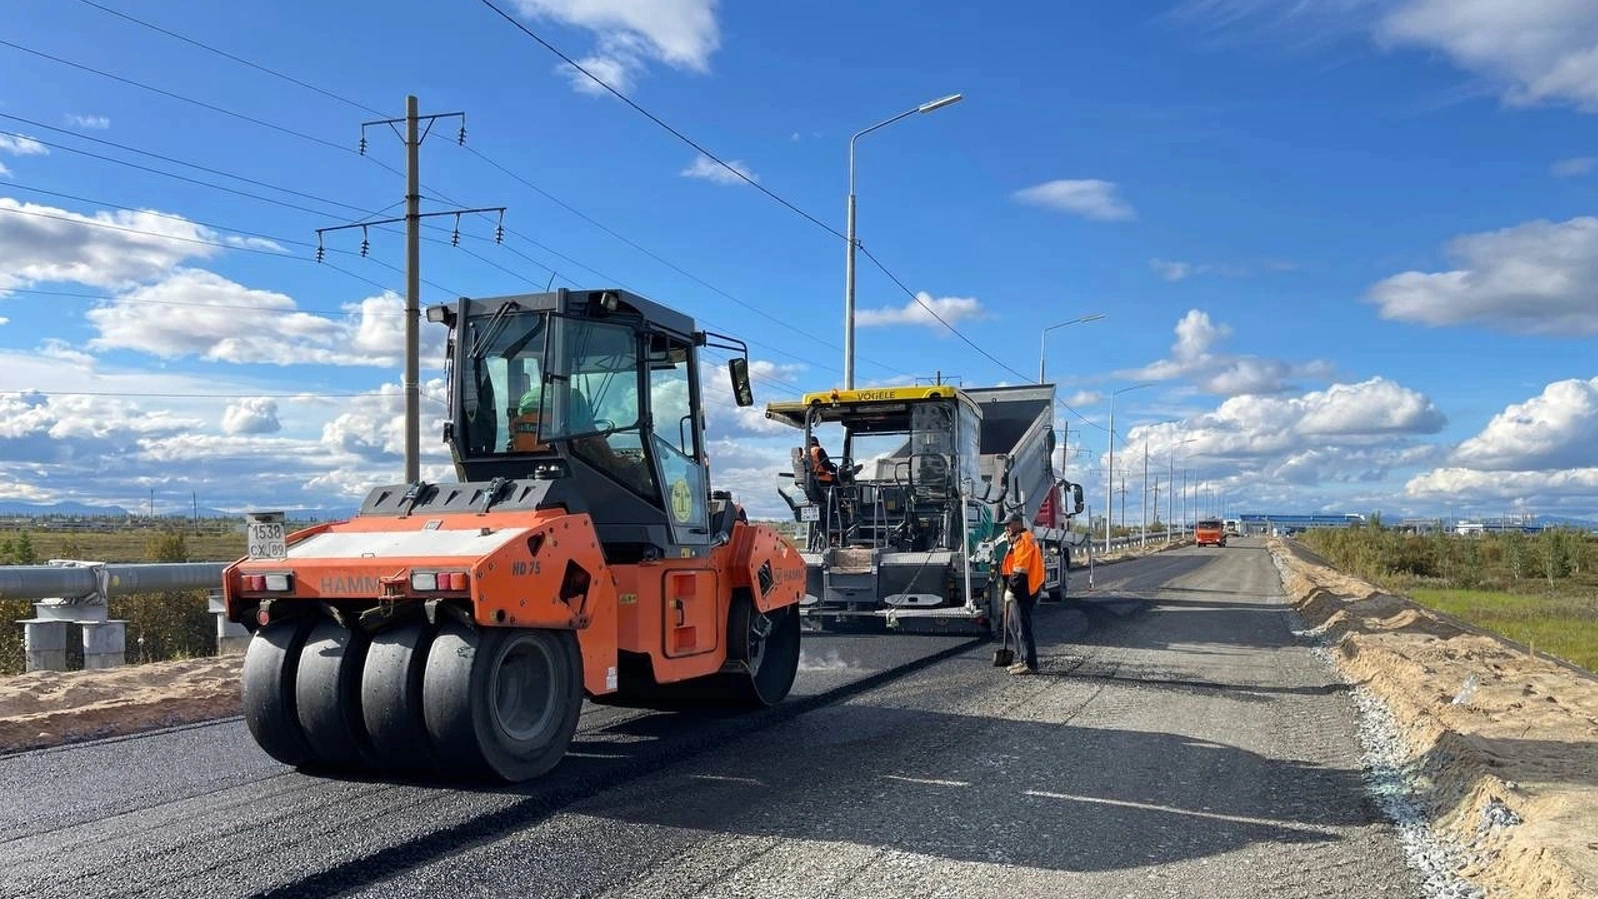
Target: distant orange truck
(1209,532)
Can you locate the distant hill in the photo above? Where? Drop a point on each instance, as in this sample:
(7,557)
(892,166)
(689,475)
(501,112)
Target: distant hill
(86,510)
(69,508)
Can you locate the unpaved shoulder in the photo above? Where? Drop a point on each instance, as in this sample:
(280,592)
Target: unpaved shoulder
(1503,744)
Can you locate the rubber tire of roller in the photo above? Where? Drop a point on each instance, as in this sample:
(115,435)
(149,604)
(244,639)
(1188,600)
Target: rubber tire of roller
(460,701)
(328,694)
(271,662)
(391,697)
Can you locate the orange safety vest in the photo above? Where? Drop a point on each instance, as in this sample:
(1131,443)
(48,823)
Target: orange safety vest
(817,467)
(1025,556)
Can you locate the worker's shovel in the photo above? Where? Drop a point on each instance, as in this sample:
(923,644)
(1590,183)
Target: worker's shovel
(1004,656)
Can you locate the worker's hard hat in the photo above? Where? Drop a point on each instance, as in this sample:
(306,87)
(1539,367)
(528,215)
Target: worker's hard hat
(531,400)
(1015,518)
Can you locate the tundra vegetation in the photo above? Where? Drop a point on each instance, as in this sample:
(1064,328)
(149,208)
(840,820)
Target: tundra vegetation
(1540,589)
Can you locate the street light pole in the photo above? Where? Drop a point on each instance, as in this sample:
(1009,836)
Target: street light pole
(1043,337)
(848,270)
(1145,539)
(1171,495)
(1109,479)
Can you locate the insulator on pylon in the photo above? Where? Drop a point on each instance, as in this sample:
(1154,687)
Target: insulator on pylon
(455,238)
(319,252)
(499,234)
(363,144)
(462,139)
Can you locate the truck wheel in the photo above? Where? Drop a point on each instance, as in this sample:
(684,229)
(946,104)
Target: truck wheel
(391,697)
(501,702)
(327,693)
(270,665)
(769,645)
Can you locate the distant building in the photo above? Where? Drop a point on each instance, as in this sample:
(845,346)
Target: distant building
(1287,524)
(1524,524)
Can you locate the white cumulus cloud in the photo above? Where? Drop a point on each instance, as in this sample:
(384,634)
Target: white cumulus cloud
(106,249)
(1346,434)
(256,415)
(1090,198)
(630,35)
(1197,357)
(706,169)
(1529,51)
(1557,429)
(223,321)
(21,145)
(1540,277)
(924,310)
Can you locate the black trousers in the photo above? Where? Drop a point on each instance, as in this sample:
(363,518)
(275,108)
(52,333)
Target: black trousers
(1024,604)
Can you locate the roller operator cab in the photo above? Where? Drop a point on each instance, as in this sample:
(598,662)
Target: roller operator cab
(454,629)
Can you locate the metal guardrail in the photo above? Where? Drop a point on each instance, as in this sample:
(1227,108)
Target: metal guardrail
(71,592)
(70,579)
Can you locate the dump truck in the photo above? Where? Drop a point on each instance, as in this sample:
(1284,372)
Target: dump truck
(1209,532)
(454,629)
(906,530)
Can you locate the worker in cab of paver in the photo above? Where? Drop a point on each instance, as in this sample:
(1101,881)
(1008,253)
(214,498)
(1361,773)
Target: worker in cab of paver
(1023,578)
(822,467)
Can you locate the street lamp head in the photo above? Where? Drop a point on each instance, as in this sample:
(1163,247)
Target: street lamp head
(940,103)
(1093,317)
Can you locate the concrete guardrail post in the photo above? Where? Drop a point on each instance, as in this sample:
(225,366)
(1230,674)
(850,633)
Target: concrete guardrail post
(44,644)
(230,636)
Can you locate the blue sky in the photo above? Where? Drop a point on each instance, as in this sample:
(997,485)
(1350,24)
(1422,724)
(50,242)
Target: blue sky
(1346,242)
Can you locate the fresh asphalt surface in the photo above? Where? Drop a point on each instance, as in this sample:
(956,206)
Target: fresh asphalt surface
(1194,749)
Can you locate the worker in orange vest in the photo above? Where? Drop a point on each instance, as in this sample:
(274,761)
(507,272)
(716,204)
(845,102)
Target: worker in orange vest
(824,469)
(1023,578)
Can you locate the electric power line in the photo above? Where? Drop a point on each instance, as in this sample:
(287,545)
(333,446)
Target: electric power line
(323,142)
(658,121)
(91,223)
(332,95)
(181,98)
(28,291)
(366,213)
(223,53)
(956,332)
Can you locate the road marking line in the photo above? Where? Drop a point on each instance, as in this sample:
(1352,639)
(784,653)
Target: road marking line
(930,781)
(728,779)
(1170,810)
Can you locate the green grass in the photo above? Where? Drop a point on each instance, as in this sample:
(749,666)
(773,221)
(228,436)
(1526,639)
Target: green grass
(1540,589)
(1563,626)
(130,545)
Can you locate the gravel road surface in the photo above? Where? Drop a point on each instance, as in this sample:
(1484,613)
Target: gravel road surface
(1194,749)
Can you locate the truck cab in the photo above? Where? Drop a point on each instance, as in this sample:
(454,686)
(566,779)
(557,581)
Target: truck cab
(1209,532)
